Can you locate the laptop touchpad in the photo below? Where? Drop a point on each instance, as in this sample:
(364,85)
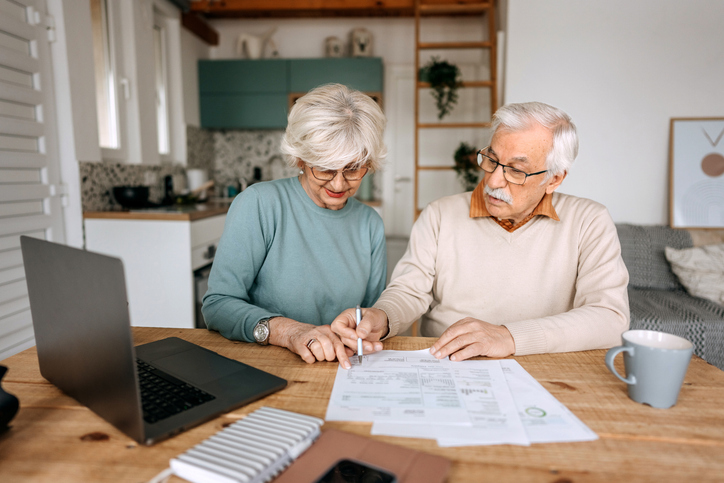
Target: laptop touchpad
(198,366)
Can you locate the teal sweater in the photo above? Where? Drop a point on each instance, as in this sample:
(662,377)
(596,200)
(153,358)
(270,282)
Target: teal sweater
(282,255)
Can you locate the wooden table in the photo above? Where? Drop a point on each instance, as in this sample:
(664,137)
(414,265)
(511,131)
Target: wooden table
(53,438)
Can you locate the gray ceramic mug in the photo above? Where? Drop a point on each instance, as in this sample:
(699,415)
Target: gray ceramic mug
(655,362)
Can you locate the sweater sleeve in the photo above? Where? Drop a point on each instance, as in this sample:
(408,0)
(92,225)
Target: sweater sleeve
(409,294)
(378,265)
(242,250)
(600,312)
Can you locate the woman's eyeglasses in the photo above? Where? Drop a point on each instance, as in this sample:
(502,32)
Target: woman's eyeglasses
(352,174)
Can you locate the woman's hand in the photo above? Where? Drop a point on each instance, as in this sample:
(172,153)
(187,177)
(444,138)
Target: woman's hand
(371,329)
(311,342)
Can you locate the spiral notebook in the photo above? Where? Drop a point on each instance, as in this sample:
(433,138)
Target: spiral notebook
(253,450)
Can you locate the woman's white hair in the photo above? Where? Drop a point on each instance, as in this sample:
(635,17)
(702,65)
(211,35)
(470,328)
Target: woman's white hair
(333,127)
(518,117)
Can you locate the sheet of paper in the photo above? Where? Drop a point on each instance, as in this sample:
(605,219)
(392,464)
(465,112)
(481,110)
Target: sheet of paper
(397,386)
(482,387)
(545,419)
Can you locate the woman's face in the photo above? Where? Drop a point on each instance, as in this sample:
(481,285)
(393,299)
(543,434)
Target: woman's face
(331,195)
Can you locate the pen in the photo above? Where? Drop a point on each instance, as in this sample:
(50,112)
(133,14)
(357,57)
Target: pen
(359,339)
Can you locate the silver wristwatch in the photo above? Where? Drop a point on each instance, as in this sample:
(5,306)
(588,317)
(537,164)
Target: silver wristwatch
(261,331)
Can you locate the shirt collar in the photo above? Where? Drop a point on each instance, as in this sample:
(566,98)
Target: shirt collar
(478,209)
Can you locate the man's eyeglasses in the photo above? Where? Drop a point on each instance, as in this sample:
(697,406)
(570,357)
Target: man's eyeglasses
(512,175)
(353,174)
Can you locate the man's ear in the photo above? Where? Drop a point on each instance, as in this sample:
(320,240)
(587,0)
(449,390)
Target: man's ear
(555,182)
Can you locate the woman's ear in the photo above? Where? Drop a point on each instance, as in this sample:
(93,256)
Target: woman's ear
(300,164)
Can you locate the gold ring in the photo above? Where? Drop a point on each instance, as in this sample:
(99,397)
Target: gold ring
(311,341)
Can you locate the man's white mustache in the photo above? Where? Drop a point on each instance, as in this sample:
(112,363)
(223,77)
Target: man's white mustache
(500,194)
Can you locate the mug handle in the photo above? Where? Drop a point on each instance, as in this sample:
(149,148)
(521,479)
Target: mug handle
(611,355)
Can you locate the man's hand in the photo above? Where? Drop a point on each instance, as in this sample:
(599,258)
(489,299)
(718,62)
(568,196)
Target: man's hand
(371,329)
(470,337)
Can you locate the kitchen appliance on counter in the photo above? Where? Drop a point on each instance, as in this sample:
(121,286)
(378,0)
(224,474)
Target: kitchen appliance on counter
(131,196)
(196,178)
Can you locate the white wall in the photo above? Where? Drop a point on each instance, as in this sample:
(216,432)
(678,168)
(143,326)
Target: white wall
(621,69)
(192,49)
(72,58)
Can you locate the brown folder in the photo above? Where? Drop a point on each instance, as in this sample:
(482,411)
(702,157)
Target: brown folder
(410,466)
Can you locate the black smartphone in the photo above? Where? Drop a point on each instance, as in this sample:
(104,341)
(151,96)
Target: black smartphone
(350,471)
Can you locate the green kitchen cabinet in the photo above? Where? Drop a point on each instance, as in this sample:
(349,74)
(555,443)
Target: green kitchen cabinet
(244,111)
(361,73)
(256,94)
(244,94)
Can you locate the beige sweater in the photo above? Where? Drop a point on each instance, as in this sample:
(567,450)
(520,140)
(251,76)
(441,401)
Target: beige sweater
(557,286)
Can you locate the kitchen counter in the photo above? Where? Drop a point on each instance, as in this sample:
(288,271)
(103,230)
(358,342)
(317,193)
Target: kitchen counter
(166,252)
(171,213)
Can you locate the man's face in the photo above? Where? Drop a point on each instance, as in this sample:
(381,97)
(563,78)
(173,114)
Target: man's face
(524,150)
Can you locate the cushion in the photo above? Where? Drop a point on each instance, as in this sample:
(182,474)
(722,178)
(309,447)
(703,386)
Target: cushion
(642,250)
(700,270)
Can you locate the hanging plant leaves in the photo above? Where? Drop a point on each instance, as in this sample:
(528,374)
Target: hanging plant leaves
(444,79)
(466,166)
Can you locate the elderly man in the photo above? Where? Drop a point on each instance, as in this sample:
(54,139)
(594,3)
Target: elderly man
(513,267)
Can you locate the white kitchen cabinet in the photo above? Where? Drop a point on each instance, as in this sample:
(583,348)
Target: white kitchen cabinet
(160,257)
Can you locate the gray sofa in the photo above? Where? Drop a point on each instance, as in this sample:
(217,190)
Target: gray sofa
(658,301)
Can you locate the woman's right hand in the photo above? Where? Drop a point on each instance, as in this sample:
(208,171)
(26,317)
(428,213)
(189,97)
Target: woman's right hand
(311,342)
(371,329)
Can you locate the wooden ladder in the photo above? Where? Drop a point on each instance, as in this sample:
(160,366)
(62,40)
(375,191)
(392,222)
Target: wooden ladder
(484,8)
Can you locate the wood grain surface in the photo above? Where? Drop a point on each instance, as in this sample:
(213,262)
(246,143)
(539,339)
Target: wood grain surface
(55,439)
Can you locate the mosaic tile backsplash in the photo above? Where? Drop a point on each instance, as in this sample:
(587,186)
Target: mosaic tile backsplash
(229,156)
(237,153)
(98,179)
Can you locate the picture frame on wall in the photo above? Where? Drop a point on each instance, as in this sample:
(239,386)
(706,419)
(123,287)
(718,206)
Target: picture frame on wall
(696,172)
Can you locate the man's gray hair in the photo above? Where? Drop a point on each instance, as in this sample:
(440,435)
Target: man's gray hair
(518,117)
(332,127)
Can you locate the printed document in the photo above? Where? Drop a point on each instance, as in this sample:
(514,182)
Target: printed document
(412,394)
(397,386)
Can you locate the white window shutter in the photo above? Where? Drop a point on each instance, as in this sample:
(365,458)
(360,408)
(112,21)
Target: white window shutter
(30,189)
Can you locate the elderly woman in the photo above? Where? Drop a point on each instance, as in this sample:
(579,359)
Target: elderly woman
(297,251)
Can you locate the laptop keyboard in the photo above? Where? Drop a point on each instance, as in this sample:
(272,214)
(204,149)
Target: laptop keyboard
(162,395)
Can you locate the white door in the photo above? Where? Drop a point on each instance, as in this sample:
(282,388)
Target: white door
(29,166)
(397,188)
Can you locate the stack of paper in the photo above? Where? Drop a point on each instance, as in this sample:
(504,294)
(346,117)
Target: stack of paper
(412,394)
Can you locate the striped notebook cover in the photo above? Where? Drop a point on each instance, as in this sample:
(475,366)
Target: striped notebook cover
(252,450)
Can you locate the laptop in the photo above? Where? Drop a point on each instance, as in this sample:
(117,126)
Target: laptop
(82,330)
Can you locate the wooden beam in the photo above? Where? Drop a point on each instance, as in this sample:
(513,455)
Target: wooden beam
(198,26)
(455,45)
(329,8)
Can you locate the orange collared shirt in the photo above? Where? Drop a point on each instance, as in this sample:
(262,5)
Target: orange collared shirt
(478,209)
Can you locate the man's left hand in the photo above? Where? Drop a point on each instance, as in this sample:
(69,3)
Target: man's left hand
(470,337)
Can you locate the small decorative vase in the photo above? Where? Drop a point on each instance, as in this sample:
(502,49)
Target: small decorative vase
(9,404)
(333,47)
(360,43)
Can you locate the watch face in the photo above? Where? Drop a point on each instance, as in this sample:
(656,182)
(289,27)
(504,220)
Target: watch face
(261,332)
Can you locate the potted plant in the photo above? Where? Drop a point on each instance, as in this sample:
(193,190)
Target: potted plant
(444,79)
(466,166)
